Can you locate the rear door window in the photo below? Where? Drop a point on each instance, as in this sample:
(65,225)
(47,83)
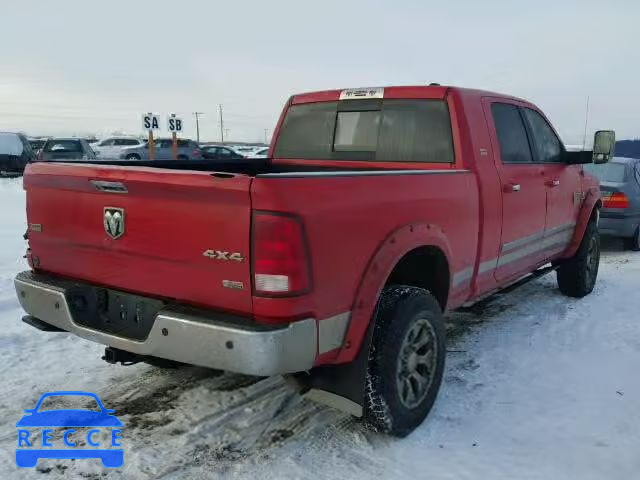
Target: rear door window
(225,153)
(512,135)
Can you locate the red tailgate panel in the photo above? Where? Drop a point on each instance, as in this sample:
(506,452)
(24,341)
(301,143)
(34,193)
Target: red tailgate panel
(171,219)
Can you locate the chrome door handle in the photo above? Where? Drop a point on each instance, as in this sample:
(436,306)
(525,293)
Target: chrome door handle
(553,183)
(512,187)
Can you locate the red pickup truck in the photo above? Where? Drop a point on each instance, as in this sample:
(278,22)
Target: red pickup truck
(333,260)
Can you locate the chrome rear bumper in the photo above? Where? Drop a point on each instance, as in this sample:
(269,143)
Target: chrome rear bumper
(185,337)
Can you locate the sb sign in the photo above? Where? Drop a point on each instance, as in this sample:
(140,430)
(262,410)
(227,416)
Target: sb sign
(174,124)
(150,121)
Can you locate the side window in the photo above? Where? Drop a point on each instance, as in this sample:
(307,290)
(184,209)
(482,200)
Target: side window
(547,144)
(512,135)
(130,142)
(107,143)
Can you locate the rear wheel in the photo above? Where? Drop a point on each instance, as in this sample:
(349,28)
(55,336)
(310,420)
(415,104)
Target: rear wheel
(133,156)
(406,360)
(577,276)
(633,243)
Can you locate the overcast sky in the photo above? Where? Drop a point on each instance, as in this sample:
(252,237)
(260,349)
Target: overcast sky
(70,67)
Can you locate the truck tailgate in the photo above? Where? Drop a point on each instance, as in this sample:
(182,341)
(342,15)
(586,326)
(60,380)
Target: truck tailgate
(174,223)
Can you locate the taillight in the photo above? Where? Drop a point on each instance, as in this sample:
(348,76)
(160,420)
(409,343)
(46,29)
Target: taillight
(280,257)
(615,200)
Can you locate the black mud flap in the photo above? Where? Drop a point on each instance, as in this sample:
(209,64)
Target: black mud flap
(339,386)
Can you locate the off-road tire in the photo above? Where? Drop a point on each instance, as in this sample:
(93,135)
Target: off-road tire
(399,309)
(577,276)
(633,243)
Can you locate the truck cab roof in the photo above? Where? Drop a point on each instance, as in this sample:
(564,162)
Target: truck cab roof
(406,91)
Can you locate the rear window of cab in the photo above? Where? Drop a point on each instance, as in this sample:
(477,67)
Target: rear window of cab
(388,130)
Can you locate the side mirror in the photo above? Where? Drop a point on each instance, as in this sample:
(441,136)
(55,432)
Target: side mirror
(604,143)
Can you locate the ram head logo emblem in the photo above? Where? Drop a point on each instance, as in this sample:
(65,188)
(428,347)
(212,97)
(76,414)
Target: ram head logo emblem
(113,221)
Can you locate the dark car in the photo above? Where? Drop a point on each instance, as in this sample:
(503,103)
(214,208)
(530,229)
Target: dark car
(620,187)
(66,149)
(15,153)
(218,152)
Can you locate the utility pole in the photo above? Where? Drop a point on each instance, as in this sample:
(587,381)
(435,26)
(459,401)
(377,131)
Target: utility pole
(226,133)
(221,125)
(198,125)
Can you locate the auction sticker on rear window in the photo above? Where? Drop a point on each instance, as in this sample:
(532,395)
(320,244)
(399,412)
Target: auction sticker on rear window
(53,430)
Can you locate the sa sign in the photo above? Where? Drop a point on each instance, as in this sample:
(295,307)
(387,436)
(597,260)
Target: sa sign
(175,124)
(150,121)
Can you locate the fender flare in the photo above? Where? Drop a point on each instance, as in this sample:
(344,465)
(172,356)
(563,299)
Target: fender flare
(591,202)
(392,249)
(341,384)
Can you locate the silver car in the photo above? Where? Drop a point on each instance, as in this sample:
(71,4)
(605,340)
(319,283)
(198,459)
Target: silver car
(620,187)
(187,150)
(111,147)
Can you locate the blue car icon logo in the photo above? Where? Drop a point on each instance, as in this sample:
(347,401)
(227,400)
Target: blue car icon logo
(28,452)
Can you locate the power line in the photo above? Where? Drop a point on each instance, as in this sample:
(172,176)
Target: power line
(198,125)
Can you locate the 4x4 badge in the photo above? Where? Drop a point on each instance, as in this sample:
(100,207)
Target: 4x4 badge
(113,221)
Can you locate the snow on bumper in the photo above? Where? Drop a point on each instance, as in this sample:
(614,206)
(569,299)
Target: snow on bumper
(183,337)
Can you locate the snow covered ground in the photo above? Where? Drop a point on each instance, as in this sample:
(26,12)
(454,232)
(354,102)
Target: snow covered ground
(537,386)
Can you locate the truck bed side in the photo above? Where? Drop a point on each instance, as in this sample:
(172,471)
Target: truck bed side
(354,219)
